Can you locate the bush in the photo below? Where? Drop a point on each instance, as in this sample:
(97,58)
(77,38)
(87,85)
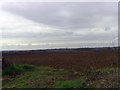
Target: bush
(18,69)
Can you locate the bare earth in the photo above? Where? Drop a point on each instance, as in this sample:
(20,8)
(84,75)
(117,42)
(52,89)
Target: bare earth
(78,60)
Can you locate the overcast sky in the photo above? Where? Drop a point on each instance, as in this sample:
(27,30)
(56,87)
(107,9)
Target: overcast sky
(39,25)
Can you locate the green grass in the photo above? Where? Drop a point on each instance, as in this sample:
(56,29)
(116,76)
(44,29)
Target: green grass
(29,76)
(69,84)
(17,69)
(39,78)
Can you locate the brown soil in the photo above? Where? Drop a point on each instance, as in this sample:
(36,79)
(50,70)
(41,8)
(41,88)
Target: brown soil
(79,60)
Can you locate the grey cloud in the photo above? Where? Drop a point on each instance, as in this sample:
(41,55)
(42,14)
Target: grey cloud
(73,23)
(65,15)
(60,37)
(107,28)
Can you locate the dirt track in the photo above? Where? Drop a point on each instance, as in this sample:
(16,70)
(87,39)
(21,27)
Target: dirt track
(78,60)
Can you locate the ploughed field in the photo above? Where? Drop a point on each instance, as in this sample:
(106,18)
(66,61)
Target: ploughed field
(76,59)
